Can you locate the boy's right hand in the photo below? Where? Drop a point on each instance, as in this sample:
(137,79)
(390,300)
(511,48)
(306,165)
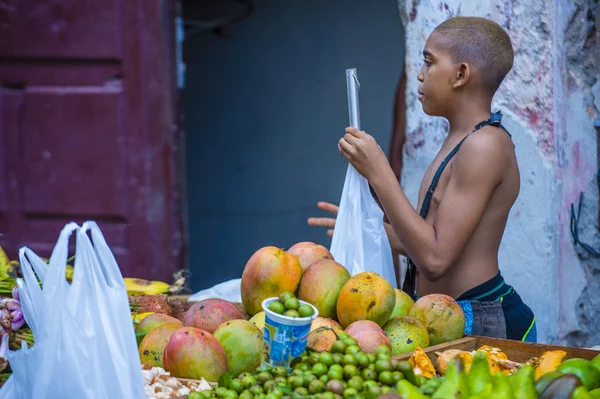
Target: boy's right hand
(325,222)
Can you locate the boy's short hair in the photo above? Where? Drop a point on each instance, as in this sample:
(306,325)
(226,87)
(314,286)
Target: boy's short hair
(482,43)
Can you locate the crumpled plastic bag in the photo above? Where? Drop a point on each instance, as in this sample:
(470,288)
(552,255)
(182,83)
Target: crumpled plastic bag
(85,345)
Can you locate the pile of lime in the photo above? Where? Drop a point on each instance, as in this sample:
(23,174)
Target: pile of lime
(343,372)
(288,305)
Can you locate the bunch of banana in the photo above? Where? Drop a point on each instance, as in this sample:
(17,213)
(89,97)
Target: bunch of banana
(139,286)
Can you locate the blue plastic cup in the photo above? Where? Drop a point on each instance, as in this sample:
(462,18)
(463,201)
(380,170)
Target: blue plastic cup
(285,337)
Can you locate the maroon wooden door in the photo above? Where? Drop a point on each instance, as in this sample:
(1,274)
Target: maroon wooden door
(89,129)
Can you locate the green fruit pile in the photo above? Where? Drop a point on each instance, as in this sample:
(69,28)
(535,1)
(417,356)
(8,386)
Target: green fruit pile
(346,372)
(343,372)
(288,305)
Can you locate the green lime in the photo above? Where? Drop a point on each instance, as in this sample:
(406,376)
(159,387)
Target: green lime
(249,381)
(351,342)
(205,394)
(356,382)
(338,367)
(291,313)
(301,366)
(350,371)
(334,374)
(220,391)
(324,378)
(386,389)
(382,349)
(313,359)
(256,389)
(327,395)
(343,336)
(237,386)
(338,347)
(306,310)
(244,395)
(352,349)
(284,296)
(295,381)
(271,395)
(196,395)
(584,370)
(280,371)
(372,390)
(316,387)
(230,394)
(264,376)
(308,378)
(349,359)
(350,393)
(292,304)
(369,374)
(276,307)
(397,376)
(372,357)
(338,358)
(268,386)
(383,365)
(326,358)
(301,391)
(362,359)
(319,369)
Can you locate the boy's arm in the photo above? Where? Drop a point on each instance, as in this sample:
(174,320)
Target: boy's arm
(476,172)
(393,238)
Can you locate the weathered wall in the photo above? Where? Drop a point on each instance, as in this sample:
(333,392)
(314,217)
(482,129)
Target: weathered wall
(549,108)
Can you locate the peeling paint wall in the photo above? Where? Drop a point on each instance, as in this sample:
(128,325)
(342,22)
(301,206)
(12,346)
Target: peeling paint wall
(549,106)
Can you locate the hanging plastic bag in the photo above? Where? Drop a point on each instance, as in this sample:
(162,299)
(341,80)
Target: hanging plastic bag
(360,242)
(85,345)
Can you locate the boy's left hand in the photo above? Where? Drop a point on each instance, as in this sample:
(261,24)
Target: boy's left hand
(363,152)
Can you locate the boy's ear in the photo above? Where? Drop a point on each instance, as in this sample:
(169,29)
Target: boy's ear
(463,74)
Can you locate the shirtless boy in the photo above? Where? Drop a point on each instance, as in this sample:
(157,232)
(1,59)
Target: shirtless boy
(452,240)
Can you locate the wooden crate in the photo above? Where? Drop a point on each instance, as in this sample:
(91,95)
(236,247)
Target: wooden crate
(515,350)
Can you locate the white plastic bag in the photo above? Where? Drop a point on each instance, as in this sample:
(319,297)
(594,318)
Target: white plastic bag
(360,242)
(227,290)
(85,344)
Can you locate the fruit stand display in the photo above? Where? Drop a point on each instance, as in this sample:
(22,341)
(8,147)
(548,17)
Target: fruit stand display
(306,328)
(363,339)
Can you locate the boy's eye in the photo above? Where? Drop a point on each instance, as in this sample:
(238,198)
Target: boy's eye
(428,63)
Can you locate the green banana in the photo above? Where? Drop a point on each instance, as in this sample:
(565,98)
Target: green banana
(408,390)
(524,383)
(561,387)
(455,384)
(479,378)
(501,387)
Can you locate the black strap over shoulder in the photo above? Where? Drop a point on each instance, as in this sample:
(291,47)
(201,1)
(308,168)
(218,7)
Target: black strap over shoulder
(410,278)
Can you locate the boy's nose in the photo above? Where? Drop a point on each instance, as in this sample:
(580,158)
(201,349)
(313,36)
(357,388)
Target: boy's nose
(420,76)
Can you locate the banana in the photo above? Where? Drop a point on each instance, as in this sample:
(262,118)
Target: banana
(138,286)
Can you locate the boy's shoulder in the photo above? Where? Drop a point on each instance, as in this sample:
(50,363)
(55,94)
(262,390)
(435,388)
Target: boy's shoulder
(484,153)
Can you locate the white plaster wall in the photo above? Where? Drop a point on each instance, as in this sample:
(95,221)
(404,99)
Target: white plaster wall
(548,113)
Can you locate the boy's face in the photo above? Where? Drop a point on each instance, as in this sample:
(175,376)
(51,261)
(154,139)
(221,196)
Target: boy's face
(437,76)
